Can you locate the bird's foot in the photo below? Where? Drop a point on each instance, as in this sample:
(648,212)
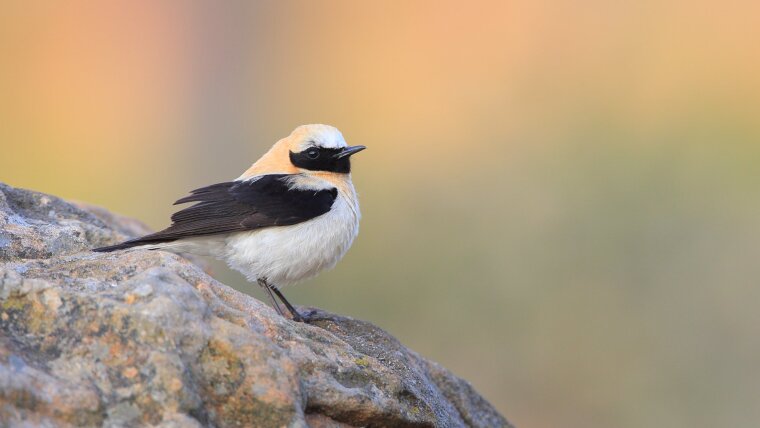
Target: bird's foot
(297,316)
(314,316)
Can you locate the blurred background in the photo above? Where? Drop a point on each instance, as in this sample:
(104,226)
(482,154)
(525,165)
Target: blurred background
(560,198)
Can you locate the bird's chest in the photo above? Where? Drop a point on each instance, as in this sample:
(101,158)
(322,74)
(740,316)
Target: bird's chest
(320,243)
(293,253)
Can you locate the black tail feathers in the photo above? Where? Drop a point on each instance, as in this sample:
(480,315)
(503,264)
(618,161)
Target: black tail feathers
(122,246)
(152,239)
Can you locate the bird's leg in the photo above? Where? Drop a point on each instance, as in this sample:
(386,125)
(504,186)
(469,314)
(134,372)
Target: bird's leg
(265,285)
(293,311)
(271,291)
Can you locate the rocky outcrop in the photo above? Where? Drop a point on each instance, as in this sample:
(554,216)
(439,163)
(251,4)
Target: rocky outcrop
(147,338)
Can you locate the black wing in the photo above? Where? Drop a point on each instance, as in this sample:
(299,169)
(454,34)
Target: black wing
(238,206)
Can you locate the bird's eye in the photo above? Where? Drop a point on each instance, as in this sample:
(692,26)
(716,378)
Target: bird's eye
(312,153)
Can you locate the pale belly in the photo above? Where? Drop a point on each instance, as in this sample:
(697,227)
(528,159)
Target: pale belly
(288,254)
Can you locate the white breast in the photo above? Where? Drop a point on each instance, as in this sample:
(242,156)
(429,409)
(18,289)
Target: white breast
(288,254)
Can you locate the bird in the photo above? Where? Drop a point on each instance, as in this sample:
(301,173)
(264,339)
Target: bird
(293,214)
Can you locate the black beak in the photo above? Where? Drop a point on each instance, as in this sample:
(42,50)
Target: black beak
(348,151)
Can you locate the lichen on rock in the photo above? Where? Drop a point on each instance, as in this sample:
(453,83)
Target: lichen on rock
(147,338)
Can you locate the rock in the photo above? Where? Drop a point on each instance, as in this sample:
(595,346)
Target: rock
(147,338)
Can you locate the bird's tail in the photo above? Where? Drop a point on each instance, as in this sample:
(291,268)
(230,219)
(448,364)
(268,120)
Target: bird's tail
(122,246)
(145,241)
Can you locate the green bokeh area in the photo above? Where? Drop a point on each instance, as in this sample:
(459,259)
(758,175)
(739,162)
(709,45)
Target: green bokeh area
(592,273)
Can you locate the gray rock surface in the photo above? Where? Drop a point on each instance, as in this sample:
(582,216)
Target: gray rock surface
(147,338)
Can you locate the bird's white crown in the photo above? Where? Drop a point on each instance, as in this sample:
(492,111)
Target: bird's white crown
(325,136)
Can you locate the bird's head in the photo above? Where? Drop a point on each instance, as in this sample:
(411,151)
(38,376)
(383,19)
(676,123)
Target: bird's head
(308,149)
(320,148)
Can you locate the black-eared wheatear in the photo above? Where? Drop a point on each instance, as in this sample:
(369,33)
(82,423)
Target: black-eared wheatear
(291,215)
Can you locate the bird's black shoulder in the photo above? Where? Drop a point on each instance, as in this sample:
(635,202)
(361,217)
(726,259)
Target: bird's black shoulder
(277,202)
(236,206)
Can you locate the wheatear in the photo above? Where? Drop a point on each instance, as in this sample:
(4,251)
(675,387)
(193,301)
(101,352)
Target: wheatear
(291,215)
